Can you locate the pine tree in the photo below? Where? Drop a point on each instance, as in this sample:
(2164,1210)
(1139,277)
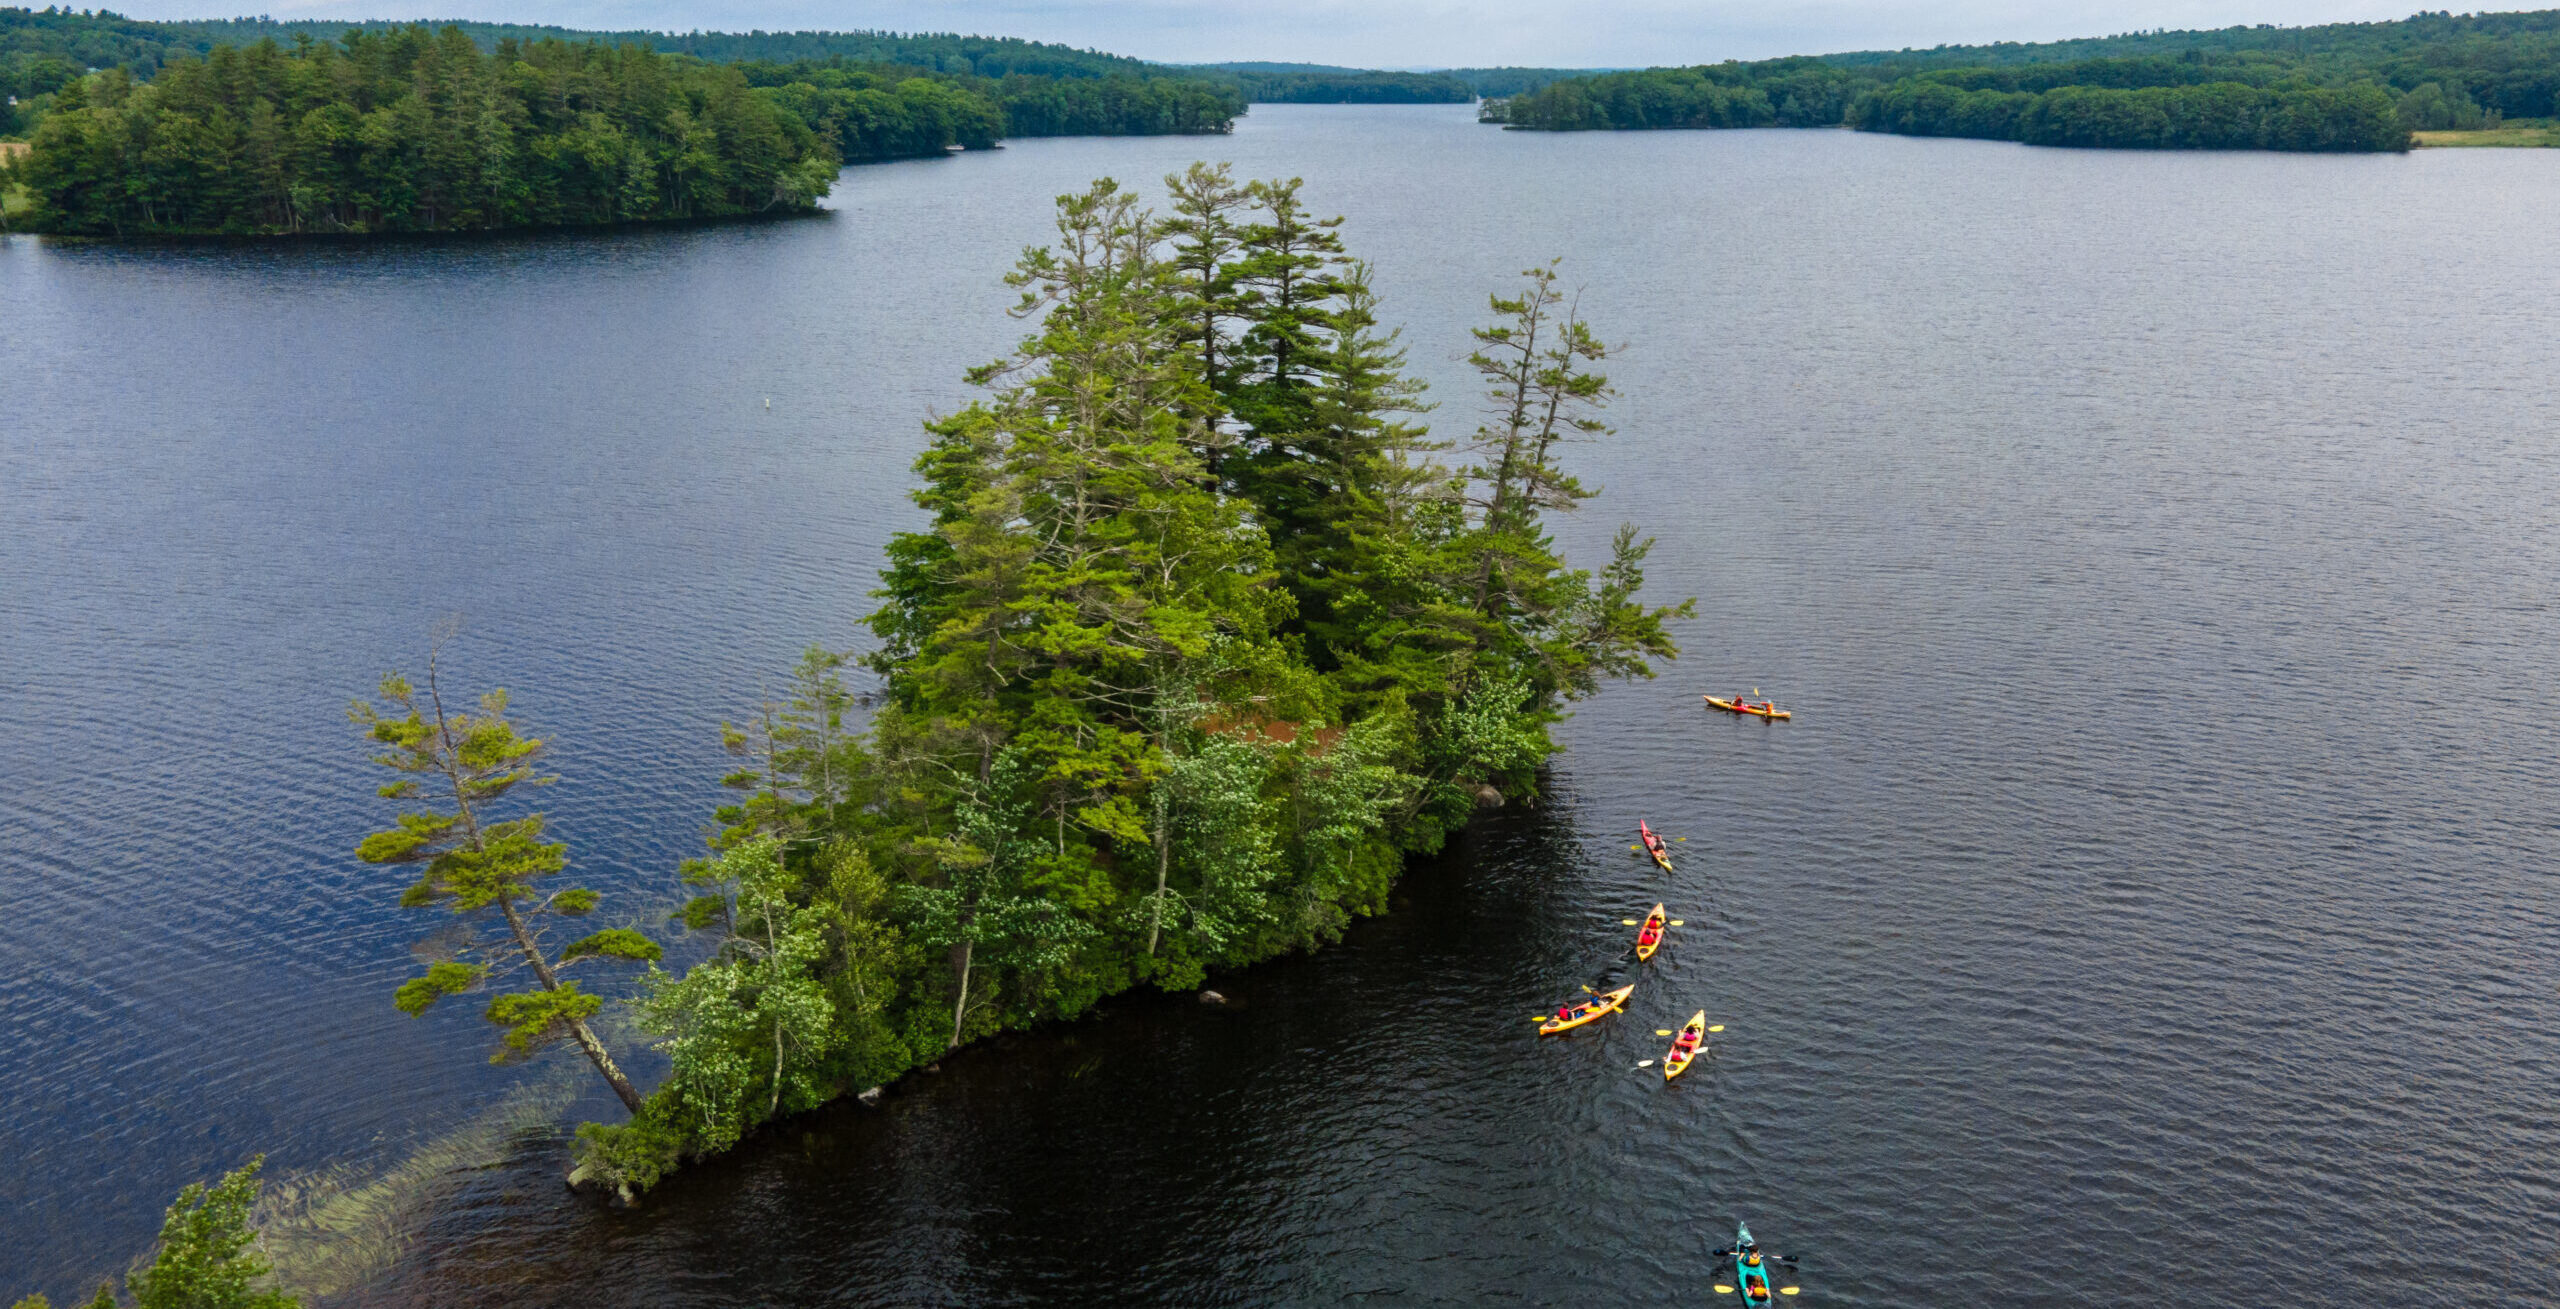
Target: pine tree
(1207,235)
(1546,619)
(472,863)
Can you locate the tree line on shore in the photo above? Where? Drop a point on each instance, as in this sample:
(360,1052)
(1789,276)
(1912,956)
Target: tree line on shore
(1269,83)
(71,41)
(2196,106)
(2344,87)
(411,130)
(868,112)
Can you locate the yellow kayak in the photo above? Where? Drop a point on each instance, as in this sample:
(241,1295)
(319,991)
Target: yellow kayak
(1649,938)
(1765,709)
(1686,1047)
(1604,1003)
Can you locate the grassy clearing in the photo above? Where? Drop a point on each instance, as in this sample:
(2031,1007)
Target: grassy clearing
(2529,132)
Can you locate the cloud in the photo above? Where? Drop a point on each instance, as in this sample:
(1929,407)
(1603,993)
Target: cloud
(1394,33)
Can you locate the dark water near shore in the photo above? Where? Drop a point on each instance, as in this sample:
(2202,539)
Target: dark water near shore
(2154,890)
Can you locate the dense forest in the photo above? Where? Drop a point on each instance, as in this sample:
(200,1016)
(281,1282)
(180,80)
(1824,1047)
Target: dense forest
(881,111)
(389,129)
(414,131)
(1196,641)
(1032,89)
(920,80)
(102,39)
(1353,87)
(2347,86)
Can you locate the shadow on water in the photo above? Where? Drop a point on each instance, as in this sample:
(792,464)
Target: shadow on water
(1157,1149)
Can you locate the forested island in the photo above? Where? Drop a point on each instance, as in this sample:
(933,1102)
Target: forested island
(382,127)
(2340,87)
(1198,642)
(414,131)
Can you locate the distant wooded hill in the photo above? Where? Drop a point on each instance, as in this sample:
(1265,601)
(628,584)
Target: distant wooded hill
(2340,86)
(280,128)
(1280,83)
(42,50)
(107,40)
(869,95)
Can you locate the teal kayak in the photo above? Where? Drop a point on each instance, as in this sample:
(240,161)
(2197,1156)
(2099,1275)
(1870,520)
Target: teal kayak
(1750,1267)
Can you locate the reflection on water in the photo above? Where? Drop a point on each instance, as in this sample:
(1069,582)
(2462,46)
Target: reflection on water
(2152,887)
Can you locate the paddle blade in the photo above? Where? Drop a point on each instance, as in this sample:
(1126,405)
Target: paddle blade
(1662,1031)
(1786,1290)
(1722,1289)
(1627,922)
(1645,1064)
(1679,922)
(1679,838)
(1717,1028)
(1635,847)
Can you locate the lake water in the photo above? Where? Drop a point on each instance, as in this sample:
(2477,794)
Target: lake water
(2151,900)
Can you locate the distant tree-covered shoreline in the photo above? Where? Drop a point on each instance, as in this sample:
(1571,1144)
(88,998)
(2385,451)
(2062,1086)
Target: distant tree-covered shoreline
(926,82)
(382,128)
(2340,87)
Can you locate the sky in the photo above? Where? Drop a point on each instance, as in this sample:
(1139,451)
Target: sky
(1384,33)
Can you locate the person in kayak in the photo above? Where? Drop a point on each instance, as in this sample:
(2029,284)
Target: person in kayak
(1651,934)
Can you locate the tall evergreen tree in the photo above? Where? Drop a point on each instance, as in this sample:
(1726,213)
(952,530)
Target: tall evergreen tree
(1546,618)
(1207,233)
(472,862)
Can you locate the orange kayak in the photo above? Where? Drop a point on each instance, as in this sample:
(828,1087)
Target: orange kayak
(1653,927)
(1686,1047)
(1653,846)
(1765,709)
(1598,1006)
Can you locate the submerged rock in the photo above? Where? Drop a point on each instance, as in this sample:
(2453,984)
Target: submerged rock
(1488,798)
(871,1097)
(1212,997)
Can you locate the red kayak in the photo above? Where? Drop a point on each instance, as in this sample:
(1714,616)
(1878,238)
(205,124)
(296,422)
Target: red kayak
(1653,846)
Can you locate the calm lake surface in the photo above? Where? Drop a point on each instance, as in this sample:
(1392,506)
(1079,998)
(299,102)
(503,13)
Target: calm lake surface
(2154,890)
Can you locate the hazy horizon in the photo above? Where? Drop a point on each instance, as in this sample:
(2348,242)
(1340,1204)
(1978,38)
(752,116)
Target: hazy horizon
(1380,33)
